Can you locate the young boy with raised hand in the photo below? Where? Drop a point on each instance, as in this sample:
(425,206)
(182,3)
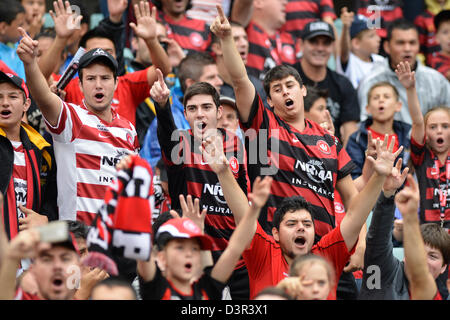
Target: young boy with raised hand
(359,47)
(382,105)
(180,241)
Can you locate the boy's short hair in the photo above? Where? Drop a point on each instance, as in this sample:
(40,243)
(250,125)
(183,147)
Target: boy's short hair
(78,228)
(201,88)
(97,33)
(438,238)
(440,18)
(313,94)
(301,261)
(383,84)
(291,204)
(9,9)
(191,67)
(278,73)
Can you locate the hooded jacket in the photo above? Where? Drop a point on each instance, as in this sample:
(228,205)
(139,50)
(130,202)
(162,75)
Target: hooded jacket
(41,177)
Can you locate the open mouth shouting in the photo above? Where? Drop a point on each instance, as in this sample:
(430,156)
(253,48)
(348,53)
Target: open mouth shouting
(99,97)
(300,242)
(57,283)
(289,103)
(5,114)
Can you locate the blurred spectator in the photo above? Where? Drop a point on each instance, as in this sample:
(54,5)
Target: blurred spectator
(440,60)
(427,30)
(34,16)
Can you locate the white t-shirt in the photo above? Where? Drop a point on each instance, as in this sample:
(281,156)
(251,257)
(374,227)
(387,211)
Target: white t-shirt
(87,150)
(357,69)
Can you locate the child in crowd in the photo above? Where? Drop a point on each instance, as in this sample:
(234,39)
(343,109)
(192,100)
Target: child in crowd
(440,60)
(359,47)
(315,104)
(430,142)
(311,277)
(383,104)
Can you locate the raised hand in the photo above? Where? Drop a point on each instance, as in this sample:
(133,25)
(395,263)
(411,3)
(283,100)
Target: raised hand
(260,192)
(159,91)
(27,49)
(385,158)
(146,21)
(371,146)
(328,124)
(66,22)
(191,210)
(404,74)
(395,179)
(407,200)
(32,219)
(221,27)
(347,17)
(212,152)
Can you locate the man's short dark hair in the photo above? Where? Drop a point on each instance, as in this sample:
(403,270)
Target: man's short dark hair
(9,9)
(278,73)
(438,238)
(78,228)
(400,24)
(291,204)
(202,88)
(191,67)
(440,18)
(313,94)
(97,33)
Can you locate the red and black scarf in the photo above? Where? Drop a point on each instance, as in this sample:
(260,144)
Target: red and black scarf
(123,225)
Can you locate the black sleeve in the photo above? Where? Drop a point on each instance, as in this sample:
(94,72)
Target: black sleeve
(117,30)
(350,110)
(168,134)
(154,289)
(49,190)
(211,286)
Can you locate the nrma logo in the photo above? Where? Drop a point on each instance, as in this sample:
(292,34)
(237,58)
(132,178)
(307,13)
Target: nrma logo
(314,170)
(216,191)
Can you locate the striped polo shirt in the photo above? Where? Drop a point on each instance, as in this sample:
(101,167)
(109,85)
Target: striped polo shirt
(87,150)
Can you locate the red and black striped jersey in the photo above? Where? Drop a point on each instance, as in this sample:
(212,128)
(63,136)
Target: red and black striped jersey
(189,174)
(301,12)
(380,11)
(191,34)
(266,52)
(427,32)
(307,163)
(160,288)
(440,62)
(429,185)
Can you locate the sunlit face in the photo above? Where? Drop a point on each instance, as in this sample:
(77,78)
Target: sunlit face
(317,51)
(275,11)
(33,9)
(435,261)
(103,43)
(12,105)
(443,36)
(318,111)
(296,233)
(52,270)
(286,97)
(437,131)
(211,75)
(98,86)
(383,104)
(241,41)
(229,119)
(403,46)
(181,259)
(315,282)
(202,115)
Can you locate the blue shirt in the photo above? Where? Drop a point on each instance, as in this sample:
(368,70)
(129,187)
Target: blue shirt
(9,56)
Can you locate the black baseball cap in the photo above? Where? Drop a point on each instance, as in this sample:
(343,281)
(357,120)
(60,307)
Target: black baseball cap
(98,54)
(16,81)
(317,28)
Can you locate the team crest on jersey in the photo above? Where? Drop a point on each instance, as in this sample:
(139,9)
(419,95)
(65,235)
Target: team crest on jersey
(339,207)
(234,164)
(288,52)
(196,39)
(323,147)
(129,138)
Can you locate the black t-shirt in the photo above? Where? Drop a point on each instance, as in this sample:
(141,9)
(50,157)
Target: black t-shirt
(342,97)
(205,288)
